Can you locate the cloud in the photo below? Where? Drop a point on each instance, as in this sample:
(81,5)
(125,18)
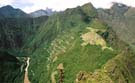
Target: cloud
(54,4)
(108,3)
(6,2)
(22,4)
(32,5)
(63,4)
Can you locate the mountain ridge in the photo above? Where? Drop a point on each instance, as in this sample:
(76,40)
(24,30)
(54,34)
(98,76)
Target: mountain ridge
(9,12)
(41,12)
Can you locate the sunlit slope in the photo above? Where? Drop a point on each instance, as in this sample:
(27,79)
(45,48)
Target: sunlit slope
(67,49)
(116,70)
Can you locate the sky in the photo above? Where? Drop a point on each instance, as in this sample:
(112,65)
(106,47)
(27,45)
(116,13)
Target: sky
(59,5)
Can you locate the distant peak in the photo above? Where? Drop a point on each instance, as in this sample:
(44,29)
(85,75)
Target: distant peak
(88,5)
(7,6)
(118,9)
(115,4)
(89,10)
(48,8)
(40,10)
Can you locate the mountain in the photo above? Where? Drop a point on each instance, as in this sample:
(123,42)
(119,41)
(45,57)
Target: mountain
(121,18)
(8,11)
(41,12)
(78,45)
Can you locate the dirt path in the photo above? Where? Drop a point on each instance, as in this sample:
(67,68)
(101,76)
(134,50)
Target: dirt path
(53,77)
(61,73)
(26,78)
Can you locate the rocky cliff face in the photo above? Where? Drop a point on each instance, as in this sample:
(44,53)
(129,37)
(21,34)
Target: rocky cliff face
(121,19)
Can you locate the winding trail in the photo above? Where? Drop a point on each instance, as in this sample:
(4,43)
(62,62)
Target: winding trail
(26,78)
(53,77)
(61,73)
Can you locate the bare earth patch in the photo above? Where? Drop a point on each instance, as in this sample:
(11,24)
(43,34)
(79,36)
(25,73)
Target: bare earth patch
(93,38)
(53,76)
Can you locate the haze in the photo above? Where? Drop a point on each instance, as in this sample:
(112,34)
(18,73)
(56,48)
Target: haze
(58,5)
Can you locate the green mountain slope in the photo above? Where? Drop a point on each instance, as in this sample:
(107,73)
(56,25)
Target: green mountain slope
(59,48)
